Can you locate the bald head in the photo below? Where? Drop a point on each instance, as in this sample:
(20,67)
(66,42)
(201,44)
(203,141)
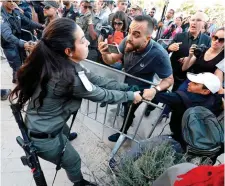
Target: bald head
(200,15)
(197,22)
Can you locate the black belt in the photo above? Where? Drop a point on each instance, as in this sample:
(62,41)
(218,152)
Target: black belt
(42,135)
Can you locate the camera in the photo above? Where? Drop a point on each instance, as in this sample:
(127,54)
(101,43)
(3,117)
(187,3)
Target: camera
(106,31)
(199,50)
(173,27)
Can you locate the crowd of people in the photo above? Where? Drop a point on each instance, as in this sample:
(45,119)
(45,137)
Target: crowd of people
(53,81)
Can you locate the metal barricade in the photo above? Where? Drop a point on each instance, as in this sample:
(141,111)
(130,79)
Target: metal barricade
(109,72)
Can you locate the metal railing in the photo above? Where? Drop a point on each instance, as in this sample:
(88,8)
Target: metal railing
(120,76)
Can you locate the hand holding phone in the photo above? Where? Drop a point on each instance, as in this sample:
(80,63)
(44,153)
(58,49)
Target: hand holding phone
(113,49)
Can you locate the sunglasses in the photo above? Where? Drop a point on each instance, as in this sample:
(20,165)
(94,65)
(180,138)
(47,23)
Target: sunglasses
(220,40)
(118,23)
(86,7)
(47,7)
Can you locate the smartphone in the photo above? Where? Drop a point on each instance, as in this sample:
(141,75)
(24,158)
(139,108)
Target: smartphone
(113,49)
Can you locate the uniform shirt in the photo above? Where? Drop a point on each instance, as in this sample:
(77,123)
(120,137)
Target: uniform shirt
(11,28)
(57,109)
(70,13)
(145,64)
(104,15)
(83,23)
(26,8)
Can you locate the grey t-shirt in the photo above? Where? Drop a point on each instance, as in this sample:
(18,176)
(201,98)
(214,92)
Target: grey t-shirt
(145,64)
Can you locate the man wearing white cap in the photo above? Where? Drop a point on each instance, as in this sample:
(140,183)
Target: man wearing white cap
(201,91)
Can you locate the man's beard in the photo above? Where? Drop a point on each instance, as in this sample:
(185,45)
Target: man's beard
(131,47)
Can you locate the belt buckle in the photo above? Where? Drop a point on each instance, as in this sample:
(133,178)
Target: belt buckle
(49,135)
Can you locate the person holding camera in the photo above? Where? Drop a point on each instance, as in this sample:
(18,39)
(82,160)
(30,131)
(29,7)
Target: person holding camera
(181,44)
(53,82)
(201,59)
(142,57)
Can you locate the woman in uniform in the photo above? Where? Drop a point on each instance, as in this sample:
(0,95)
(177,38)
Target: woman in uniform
(53,83)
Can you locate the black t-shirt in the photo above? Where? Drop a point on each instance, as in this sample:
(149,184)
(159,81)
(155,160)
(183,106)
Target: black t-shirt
(201,65)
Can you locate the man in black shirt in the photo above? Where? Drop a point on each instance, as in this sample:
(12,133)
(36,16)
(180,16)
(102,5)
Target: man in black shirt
(181,44)
(69,11)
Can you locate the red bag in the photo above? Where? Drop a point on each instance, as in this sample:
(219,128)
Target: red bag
(202,176)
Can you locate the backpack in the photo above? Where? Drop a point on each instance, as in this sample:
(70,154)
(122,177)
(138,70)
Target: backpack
(202,133)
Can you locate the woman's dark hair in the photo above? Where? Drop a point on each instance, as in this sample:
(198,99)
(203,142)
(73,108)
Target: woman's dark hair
(123,17)
(47,58)
(180,18)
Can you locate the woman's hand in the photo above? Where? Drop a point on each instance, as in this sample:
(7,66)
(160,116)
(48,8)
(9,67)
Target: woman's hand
(137,97)
(191,50)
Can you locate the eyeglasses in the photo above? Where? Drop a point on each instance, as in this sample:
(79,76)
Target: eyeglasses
(47,7)
(118,23)
(86,7)
(220,40)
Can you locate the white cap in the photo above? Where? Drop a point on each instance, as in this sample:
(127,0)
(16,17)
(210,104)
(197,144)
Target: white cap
(210,80)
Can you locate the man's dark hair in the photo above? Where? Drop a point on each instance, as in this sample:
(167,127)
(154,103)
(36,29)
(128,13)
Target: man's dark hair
(172,11)
(148,19)
(153,9)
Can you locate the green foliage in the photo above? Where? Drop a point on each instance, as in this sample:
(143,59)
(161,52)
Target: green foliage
(148,167)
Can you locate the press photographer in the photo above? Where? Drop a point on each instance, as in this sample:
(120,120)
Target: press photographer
(181,44)
(201,59)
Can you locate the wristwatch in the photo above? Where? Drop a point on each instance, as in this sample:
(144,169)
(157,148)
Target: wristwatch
(157,88)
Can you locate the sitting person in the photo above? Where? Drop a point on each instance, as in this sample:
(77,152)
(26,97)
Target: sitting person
(201,91)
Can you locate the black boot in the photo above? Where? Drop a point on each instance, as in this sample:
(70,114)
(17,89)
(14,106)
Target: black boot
(84,183)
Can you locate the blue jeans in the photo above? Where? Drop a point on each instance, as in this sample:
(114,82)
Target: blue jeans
(117,66)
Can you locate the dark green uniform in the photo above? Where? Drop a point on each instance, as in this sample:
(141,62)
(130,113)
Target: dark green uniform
(51,118)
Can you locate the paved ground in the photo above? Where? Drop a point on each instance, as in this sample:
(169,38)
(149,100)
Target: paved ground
(92,143)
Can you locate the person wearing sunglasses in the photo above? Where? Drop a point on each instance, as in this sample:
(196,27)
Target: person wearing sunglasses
(119,27)
(152,14)
(122,5)
(208,59)
(181,44)
(50,11)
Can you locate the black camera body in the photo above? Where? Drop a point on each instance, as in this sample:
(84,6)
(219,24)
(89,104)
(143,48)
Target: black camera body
(106,31)
(199,50)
